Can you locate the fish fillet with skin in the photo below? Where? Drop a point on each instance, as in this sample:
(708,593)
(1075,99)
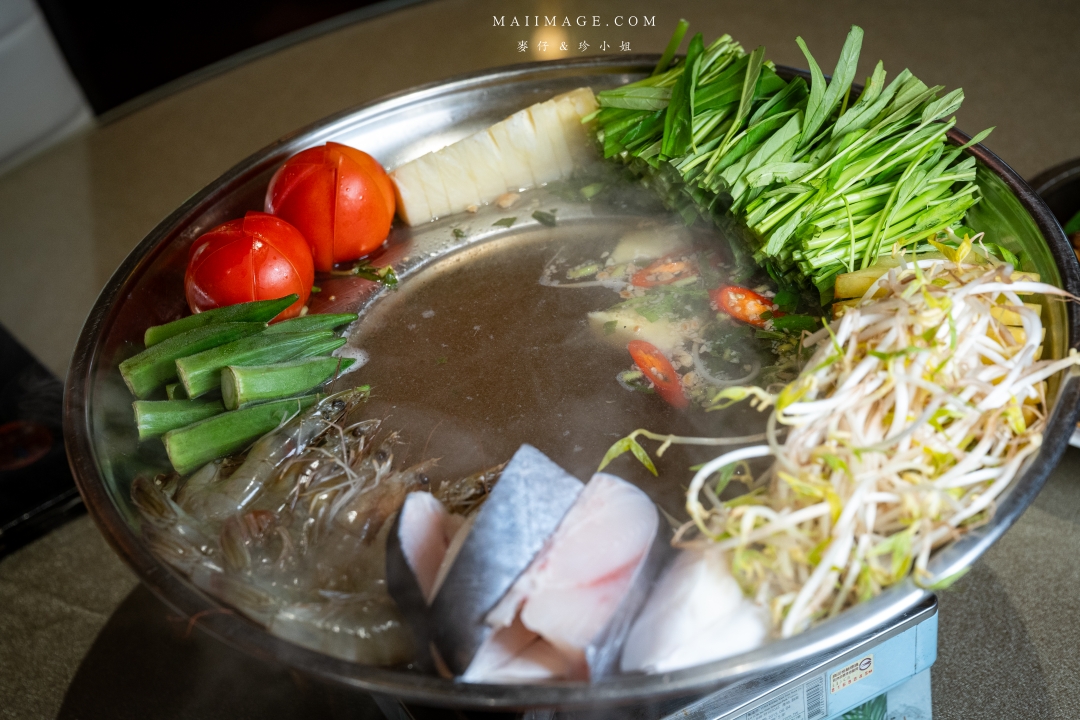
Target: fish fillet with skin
(697,613)
(574,587)
(506,535)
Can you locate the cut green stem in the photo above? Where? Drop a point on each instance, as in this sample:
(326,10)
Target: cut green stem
(242,386)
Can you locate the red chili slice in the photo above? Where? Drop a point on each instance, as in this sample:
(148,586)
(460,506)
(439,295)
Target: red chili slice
(743,304)
(660,372)
(664,271)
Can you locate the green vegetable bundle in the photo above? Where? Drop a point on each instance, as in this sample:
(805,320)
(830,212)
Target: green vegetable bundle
(230,349)
(822,183)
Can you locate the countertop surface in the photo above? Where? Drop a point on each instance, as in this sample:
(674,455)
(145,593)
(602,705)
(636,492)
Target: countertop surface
(80,638)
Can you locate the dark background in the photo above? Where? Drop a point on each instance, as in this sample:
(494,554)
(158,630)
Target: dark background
(120,50)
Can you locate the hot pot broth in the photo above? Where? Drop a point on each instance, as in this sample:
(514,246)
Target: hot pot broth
(472,356)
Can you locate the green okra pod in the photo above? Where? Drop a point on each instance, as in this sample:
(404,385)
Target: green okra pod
(309,323)
(201,372)
(157,417)
(156,365)
(242,386)
(258,311)
(193,446)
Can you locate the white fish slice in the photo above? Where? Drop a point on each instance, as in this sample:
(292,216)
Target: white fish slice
(420,547)
(516,654)
(582,590)
(509,530)
(696,614)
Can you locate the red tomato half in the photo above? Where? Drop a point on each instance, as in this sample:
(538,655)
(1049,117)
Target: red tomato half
(340,198)
(743,304)
(258,257)
(659,370)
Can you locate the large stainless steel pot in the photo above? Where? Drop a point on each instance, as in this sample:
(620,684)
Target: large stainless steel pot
(144,290)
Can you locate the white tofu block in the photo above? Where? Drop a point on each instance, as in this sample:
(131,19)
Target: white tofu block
(540,144)
(457,180)
(412,201)
(431,180)
(545,117)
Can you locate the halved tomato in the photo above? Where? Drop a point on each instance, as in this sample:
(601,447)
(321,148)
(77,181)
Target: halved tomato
(339,197)
(257,257)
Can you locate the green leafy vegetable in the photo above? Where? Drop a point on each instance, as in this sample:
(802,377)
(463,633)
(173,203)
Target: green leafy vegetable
(628,444)
(504,222)
(384,275)
(592,190)
(680,110)
(1073,226)
(544,218)
(672,47)
(824,100)
(786,300)
(823,182)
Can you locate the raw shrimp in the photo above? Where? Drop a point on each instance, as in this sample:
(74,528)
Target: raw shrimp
(462,497)
(173,534)
(217,500)
(294,537)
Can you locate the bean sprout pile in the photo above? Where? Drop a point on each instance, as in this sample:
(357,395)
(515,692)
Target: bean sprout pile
(915,411)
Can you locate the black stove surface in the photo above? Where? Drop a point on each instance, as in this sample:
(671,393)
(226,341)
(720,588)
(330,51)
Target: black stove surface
(36,489)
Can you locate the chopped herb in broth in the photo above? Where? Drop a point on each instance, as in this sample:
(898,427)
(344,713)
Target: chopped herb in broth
(667,278)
